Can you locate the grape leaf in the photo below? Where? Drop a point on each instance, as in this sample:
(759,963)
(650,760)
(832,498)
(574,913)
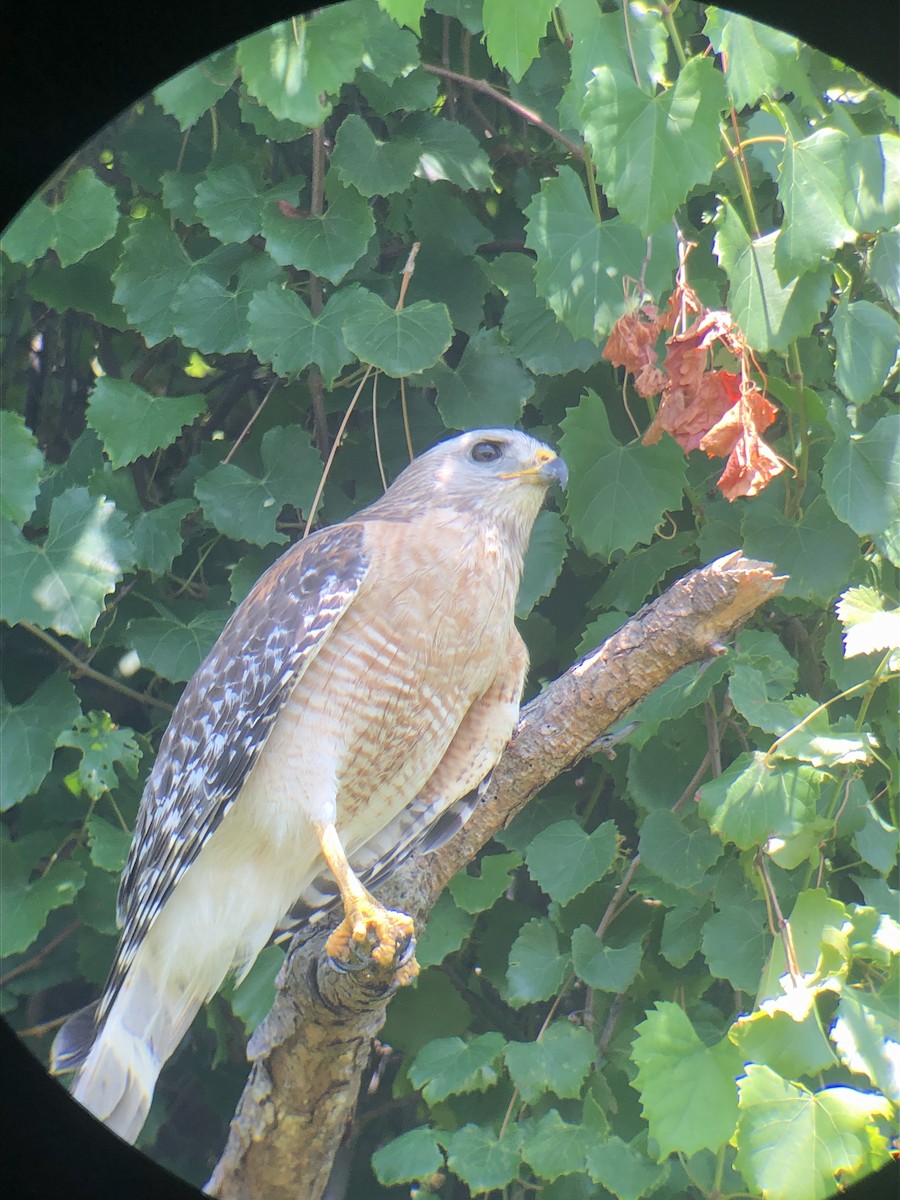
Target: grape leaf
(63,583)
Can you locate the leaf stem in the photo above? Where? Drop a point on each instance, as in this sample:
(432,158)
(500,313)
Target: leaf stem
(592,182)
(82,668)
(668,12)
(782,926)
(481,85)
(803,431)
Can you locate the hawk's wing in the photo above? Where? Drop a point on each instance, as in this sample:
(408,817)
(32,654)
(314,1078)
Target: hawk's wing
(225,715)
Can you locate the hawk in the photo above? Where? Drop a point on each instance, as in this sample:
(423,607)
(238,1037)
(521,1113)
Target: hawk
(365,686)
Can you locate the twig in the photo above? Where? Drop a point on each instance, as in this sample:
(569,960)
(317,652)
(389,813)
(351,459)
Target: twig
(481,85)
(83,669)
(781,926)
(38,958)
(375,431)
(692,786)
(262,404)
(316,303)
(333,451)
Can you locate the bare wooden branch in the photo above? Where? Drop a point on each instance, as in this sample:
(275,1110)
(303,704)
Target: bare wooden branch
(309,1054)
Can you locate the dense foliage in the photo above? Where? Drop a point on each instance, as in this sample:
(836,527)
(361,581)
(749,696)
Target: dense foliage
(676,973)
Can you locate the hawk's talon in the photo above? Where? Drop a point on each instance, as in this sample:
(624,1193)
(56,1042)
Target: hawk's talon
(370,933)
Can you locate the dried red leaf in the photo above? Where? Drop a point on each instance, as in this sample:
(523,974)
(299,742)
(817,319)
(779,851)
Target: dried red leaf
(751,465)
(632,342)
(753,412)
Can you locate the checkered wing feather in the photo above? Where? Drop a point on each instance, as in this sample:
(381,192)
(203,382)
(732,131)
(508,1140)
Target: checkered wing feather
(224,717)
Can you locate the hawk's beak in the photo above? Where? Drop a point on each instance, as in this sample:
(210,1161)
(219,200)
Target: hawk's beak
(548,468)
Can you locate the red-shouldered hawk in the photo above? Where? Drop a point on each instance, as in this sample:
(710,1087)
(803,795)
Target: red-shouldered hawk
(366,685)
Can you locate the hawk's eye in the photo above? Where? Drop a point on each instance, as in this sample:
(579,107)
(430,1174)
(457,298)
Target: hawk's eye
(484,452)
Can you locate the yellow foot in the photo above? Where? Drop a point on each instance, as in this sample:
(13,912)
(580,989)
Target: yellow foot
(382,935)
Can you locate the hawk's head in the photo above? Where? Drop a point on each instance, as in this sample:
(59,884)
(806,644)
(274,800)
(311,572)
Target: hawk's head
(500,473)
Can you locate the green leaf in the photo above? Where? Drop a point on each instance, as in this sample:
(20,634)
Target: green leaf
(686,689)
(452,1067)
(635,576)
(480,1159)
(650,150)
(867,339)
(564,860)
(328,245)
(86,286)
(133,423)
(883,266)
(537,338)
(21,463)
(374,168)
(603,967)
(606,511)
(172,647)
(102,745)
(681,931)
(152,268)
(876,841)
(405,12)
(399,343)
(536,967)
(245,508)
(229,203)
(84,219)
(108,844)
(412,1157)
(555,1148)
(213,318)
(191,93)
(63,583)
(449,151)
(284,332)
(157,535)
(861,475)
(815,550)
(239,505)
(771,314)
(735,942)
(867,1037)
(674,851)
(477,893)
(819,926)
(812,188)
(448,927)
(582,263)
(253,996)
(750,696)
(868,625)
(28,734)
(792,1144)
(558,1063)
(26,906)
(759,61)
(873,197)
(624,1171)
(688,1093)
(488,388)
(754,800)
(790,1047)
(296,68)
(512,33)
(544,560)
(603,38)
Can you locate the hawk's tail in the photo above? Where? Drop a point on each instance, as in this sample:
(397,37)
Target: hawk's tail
(119,1062)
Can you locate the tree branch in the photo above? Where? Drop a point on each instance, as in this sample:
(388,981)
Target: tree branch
(308,1055)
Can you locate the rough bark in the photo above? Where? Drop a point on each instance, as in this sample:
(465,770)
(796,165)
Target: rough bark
(309,1053)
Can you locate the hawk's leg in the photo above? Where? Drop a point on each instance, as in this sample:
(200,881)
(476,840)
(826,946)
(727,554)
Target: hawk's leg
(368,930)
